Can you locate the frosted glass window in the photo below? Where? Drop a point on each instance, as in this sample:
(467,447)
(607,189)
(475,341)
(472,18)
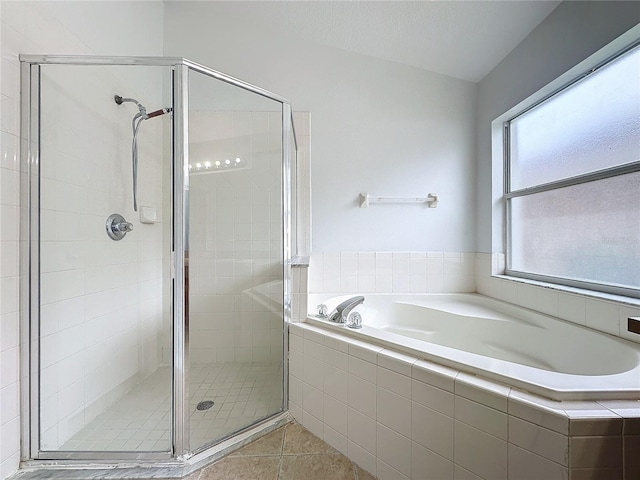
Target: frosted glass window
(592,125)
(588,232)
(573,193)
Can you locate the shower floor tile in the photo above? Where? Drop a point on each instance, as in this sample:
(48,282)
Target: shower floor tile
(242,392)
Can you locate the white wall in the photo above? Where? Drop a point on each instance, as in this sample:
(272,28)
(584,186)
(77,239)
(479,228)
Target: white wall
(378,127)
(571,33)
(107,28)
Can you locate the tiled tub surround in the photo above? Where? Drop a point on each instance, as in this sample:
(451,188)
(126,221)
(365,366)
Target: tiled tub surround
(496,340)
(392,272)
(299,283)
(401,417)
(606,313)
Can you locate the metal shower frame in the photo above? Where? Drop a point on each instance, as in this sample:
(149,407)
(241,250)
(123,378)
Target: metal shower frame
(180,455)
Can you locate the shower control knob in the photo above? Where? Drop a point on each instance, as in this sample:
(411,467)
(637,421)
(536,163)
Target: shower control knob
(117,227)
(124,227)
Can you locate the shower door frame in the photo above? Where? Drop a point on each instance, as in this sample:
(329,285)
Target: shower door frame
(180,450)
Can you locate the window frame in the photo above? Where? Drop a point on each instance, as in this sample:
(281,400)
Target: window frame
(509,194)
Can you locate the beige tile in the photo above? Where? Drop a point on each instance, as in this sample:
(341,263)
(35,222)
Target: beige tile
(595,452)
(297,440)
(362,474)
(597,474)
(270,444)
(539,411)
(387,472)
(485,392)
(362,457)
(631,472)
(539,440)
(434,374)
(243,468)
(427,464)
(480,453)
(481,417)
(525,465)
(432,430)
(632,451)
(432,397)
(595,426)
(316,467)
(394,450)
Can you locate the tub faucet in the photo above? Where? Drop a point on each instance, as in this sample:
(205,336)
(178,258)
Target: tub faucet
(341,313)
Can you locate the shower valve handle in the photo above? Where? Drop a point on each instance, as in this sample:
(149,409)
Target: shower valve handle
(117,227)
(123,227)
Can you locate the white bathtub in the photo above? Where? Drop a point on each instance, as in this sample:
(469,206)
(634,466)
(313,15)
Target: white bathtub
(513,345)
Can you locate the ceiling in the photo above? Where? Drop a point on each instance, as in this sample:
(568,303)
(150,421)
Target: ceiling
(462,39)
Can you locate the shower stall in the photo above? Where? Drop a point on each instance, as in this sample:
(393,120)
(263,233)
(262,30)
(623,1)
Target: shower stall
(156,233)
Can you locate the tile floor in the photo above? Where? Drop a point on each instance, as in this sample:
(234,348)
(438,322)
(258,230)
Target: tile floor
(288,453)
(242,392)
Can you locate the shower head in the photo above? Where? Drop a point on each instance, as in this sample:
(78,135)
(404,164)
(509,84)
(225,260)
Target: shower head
(137,120)
(120,100)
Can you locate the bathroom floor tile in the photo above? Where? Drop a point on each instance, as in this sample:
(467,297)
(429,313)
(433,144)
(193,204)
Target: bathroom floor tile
(316,467)
(243,468)
(288,453)
(270,444)
(298,441)
(362,474)
(296,453)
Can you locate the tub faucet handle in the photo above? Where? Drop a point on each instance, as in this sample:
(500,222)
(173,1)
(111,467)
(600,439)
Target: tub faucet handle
(323,311)
(355,320)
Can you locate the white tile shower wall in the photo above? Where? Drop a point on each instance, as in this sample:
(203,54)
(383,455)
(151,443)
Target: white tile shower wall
(392,272)
(101,314)
(607,315)
(401,417)
(43,27)
(235,246)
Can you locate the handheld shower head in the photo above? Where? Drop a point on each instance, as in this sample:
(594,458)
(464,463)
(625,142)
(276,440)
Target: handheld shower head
(137,120)
(120,100)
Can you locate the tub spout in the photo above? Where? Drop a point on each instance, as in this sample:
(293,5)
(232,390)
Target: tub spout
(341,313)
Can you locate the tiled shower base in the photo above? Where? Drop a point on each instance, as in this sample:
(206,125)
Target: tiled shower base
(242,392)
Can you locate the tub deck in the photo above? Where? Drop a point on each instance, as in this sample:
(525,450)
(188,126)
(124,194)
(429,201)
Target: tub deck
(482,336)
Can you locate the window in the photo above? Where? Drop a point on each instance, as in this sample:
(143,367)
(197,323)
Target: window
(572,182)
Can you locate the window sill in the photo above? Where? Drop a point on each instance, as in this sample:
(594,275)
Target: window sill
(634,302)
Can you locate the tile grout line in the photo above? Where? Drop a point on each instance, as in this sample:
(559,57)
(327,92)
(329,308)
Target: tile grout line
(284,433)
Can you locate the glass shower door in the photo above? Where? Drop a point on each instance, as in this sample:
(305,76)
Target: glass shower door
(235,259)
(104,323)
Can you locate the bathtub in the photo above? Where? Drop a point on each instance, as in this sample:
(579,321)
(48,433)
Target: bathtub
(513,345)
